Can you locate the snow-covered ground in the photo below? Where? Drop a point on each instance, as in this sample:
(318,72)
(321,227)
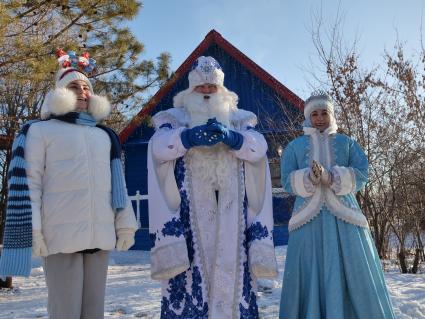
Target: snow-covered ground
(131,293)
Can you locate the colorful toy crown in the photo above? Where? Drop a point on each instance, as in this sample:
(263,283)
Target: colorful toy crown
(82,63)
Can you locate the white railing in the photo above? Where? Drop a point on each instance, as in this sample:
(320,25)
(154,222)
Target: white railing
(138,198)
(277,192)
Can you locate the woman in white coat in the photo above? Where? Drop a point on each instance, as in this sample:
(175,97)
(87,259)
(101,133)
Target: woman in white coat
(79,204)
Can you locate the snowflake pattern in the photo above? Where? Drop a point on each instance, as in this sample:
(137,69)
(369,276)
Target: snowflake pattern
(249,296)
(206,65)
(185,298)
(173,228)
(177,290)
(181,303)
(152,239)
(256,232)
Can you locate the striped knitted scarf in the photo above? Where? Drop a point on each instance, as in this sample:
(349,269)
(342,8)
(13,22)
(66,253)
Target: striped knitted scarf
(17,242)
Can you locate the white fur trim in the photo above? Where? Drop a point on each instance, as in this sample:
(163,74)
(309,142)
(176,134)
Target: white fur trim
(347,214)
(58,102)
(318,104)
(332,129)
(297,183)
(310,210)
(262,260)
(240,119)
(178,100)
(345,180)
(177,117)
(254,147)
(197,78)
(169,261)
(99,107)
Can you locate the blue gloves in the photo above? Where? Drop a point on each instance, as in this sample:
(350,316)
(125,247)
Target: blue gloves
(210,134)
(199,136)
(231,138)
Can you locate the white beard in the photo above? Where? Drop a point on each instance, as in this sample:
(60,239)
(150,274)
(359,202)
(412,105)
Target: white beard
(201,109)
(215,165)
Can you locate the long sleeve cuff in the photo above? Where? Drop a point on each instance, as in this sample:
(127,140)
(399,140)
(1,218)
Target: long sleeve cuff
(344,180)
(262,260)
(167,144)
(169,261)
(253,148)
(301,183)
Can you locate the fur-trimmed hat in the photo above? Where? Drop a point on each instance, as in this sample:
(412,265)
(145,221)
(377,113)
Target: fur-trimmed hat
(62,100)
(73,68)
(318,100)
(206,70)
(66,76)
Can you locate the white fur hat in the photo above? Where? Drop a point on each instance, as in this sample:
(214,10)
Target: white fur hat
(67,75)
(206,70)
(318,100)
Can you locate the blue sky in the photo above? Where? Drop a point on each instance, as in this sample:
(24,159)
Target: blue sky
(277,34)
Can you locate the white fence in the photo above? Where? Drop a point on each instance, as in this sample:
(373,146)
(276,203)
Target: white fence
(277,192)
(138,198)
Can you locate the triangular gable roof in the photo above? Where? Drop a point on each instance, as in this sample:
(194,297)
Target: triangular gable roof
(213,37)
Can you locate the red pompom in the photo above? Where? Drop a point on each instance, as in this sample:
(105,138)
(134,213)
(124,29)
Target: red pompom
(66,64)
(60,52)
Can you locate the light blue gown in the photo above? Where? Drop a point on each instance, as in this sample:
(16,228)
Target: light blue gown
(332,267)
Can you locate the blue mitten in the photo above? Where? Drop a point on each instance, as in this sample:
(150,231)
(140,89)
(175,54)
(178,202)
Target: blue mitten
(231,138)
(200,136)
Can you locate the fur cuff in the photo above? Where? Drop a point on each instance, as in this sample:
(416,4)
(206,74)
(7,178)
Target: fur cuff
(262,260)
(99,107)
(58,102)
(301,185)
(169,261)
(344,180)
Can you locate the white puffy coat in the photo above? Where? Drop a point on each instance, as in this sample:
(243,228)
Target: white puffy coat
(69,178)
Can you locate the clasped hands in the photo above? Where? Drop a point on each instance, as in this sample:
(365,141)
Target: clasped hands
(210,134)
(318,174)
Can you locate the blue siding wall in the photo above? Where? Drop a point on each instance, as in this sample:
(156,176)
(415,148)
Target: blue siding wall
(282,209)
(272,112)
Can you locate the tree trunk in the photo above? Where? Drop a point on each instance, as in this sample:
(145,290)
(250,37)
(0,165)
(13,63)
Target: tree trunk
(416,261)
(6,283)
(402,260)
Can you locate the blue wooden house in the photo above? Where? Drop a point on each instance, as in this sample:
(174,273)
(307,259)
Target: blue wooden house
(259,92)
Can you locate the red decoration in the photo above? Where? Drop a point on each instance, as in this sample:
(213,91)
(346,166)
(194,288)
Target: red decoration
(83,60)
(60,52)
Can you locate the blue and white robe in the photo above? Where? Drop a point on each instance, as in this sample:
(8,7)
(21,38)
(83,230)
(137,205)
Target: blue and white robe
(210,244)
(332,268)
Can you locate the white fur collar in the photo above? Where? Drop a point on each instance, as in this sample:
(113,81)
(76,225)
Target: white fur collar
(332,129)
(62,100)
(178,117)
(242,118)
